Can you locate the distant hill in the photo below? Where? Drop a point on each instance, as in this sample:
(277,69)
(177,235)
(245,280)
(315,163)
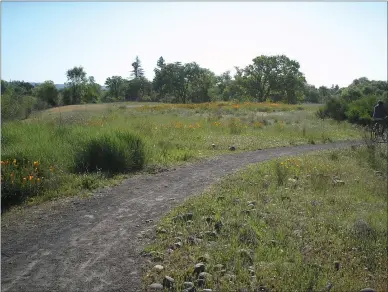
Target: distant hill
(60,86)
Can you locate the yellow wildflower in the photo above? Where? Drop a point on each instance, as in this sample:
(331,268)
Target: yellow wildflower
(30,177)
(36,163)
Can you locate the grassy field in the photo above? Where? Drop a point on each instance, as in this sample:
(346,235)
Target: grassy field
(316,222)
(43,150)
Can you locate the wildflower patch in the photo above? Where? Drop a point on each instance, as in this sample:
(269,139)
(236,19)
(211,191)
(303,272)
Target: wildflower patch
(22,178)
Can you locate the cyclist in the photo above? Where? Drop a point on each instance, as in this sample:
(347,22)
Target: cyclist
(380,115)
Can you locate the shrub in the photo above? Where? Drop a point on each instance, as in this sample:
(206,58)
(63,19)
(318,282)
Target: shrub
(113,153)
(335,108)
(16,107)
(360,111)
(321,113)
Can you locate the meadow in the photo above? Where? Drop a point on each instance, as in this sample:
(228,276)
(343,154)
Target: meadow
(315,222)
(69,150)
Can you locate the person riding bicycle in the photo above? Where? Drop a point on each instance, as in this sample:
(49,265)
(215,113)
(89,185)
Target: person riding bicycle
(379,111)
(380,114)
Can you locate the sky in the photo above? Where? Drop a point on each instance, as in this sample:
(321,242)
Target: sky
(334,43)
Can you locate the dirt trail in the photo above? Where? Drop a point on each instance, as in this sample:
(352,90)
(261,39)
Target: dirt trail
(94,244)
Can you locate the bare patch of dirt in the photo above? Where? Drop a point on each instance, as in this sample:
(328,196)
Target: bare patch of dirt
(94,244)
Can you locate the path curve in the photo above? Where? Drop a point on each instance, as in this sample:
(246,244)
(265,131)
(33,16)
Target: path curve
(94,244)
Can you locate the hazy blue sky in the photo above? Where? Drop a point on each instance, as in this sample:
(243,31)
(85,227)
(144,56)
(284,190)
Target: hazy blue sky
(334,43)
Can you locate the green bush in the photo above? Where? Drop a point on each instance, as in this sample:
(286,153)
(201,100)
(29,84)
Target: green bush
(16,107)
(360,111)
(113,153)
(321,113)
(336,108)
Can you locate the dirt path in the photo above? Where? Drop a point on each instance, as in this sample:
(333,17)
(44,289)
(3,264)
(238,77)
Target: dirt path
(93,244)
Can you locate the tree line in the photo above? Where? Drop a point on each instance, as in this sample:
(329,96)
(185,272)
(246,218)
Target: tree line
(267,78)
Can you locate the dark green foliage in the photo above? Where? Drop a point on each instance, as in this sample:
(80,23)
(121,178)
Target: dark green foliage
(66,96)
(16,100)
(4,86)
(116,152)
(335,108)
(137,71)
(21,87)
(351,94)
(355,103)
(137,89)
(47,93)
(15,106)
(265,78)
(361,110)
(311,94)
(115,86)
(321,113)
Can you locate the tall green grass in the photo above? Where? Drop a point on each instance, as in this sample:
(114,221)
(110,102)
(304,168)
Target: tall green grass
(116,152)
(70,141)
(63,152)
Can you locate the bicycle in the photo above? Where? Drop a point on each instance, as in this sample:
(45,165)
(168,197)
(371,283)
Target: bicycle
(379,129)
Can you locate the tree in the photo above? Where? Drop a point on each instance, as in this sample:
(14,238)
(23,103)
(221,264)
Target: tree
(260,77)
(198,82)
(169,82)
(47,93)
(161,63)
(21,87)
(288,79)
(311,94)
(137,71)
(159,83)
(351,93)
(324,93)
(272,76)
(92,91)
(136,89)
(177,82)
(66,96)
(115,85)
(76,81)
(4,86)
(223,84)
